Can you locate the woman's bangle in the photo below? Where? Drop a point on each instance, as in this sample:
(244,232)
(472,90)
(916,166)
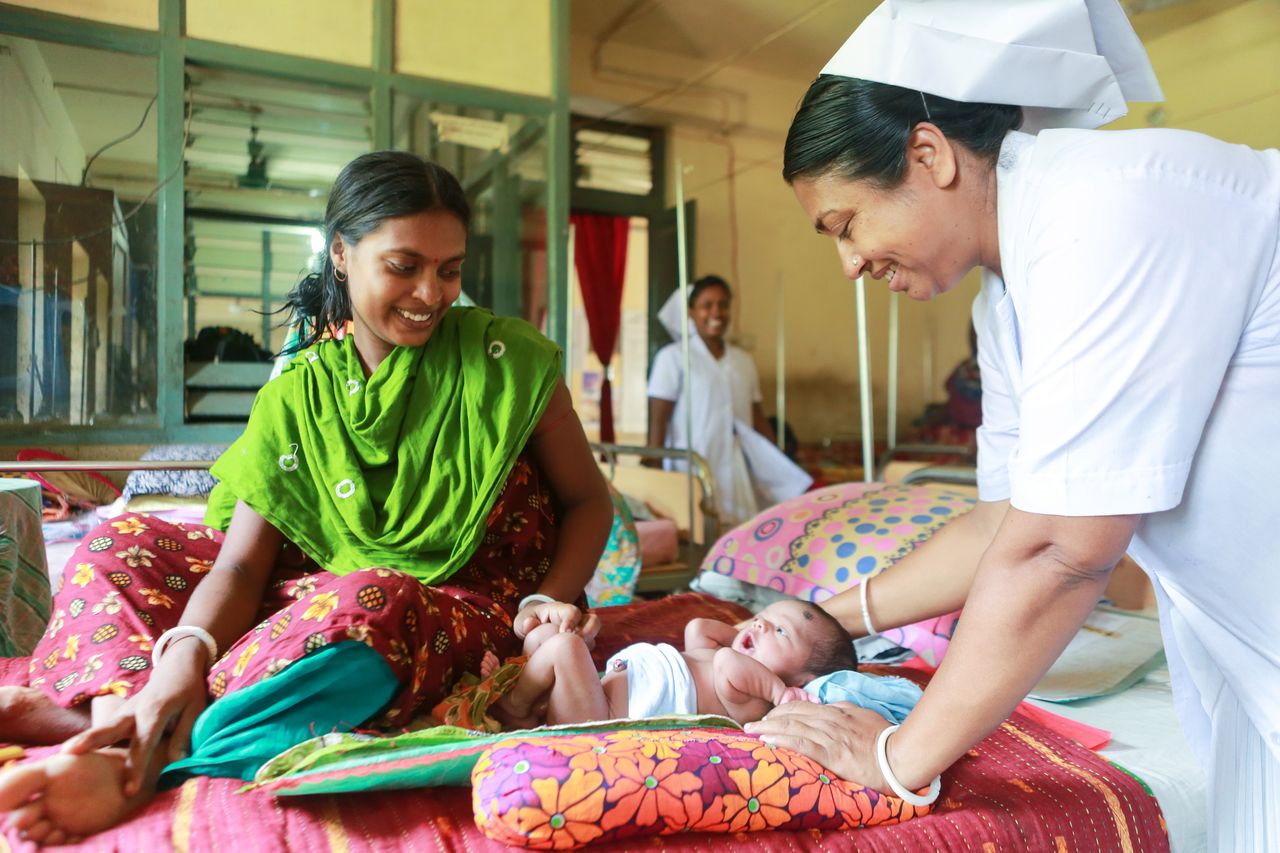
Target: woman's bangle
(866,612)
(534,598)
(899,790)
(179,632)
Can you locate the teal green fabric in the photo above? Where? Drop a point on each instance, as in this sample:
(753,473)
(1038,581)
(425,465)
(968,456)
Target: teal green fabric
(442,755)
(401,468)
(25,597)
(335,689)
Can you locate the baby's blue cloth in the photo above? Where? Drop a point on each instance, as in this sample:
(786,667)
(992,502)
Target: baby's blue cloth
(890,696)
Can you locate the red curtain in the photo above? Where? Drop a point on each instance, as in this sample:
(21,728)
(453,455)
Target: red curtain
(600,254)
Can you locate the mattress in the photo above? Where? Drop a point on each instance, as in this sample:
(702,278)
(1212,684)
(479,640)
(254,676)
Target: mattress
(1147,741)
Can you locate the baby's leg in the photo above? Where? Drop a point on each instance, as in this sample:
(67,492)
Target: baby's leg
(539,635)
(563,666)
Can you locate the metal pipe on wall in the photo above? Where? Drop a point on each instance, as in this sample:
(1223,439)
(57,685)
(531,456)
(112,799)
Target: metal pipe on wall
(682,270)
(781,377)
(864,385)
(891,435)
(570,309)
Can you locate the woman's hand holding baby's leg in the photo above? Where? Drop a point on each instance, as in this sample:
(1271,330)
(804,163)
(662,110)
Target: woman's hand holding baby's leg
(563,670)
(537,622)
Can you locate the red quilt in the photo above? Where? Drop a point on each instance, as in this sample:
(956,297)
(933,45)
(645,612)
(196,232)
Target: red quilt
(1023,788)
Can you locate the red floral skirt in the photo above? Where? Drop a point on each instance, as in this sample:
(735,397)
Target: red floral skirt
(131,578)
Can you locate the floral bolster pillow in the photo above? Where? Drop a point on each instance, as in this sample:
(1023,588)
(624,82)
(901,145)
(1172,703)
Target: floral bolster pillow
(555,793)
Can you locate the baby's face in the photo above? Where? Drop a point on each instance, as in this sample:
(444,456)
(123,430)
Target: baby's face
(780,637)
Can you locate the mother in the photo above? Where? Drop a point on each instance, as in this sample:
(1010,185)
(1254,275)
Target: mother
(400,498)
(1129,327)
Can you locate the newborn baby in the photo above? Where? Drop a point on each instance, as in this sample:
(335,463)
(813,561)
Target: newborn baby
(736,672)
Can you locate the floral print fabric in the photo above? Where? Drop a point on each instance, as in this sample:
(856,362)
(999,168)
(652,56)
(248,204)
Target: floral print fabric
(565,792)
(132,577)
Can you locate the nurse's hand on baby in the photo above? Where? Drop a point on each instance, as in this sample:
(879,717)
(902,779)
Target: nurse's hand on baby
(536,623)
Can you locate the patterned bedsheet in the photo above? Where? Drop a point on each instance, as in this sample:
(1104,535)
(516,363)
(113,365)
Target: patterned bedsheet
(1023,788)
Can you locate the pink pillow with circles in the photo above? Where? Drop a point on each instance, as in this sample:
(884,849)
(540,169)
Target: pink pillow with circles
(831,539)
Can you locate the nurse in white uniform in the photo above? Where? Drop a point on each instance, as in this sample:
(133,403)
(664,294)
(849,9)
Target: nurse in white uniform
(730,430)
(1129,342)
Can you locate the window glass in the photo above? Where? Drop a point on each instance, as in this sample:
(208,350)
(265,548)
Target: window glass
(261,156)
(501,160)
(77,235)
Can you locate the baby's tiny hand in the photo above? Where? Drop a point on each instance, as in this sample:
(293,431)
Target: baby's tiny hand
(796,694)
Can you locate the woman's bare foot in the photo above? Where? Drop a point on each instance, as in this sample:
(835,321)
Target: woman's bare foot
(29,717)
(64,797)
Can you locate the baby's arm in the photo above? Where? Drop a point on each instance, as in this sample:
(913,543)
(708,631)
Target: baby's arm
(708,634)
(747,687)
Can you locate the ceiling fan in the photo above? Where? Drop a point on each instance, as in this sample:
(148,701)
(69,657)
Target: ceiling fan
(255,177)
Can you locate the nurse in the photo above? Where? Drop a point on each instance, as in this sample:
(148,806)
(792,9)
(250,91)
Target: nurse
(1129,342)
(729,428)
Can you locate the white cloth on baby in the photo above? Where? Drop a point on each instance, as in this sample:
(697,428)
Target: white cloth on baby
(658,680)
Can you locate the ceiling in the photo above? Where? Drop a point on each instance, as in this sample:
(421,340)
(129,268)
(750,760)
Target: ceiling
(800,35)
(715,30)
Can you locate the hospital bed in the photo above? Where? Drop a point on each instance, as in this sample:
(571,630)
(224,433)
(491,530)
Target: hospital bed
(978,802)
(686,500)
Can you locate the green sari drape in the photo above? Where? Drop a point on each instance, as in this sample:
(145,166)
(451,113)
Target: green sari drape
(398,469)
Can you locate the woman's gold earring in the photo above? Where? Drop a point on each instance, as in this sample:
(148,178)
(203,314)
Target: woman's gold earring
(339,274)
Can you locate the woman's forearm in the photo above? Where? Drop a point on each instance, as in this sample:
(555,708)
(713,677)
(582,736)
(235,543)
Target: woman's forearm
(581,533)
(932,580)
(1026,603)
(227,601)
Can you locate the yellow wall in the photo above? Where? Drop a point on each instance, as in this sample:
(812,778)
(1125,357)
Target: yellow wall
(775,244)
(1220,68)
(334,30)
(499,44)
(144,14)
(1220,75)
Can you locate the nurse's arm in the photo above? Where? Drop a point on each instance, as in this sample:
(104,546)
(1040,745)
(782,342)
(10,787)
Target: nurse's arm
(760,423)
(660,411)
(1034,588)
(932,580)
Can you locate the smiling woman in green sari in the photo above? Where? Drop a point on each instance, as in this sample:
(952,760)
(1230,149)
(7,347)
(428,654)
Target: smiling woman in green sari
(401,499)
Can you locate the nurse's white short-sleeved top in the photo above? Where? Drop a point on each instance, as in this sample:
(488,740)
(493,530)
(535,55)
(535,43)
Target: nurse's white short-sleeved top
(1130,364)
(735,369)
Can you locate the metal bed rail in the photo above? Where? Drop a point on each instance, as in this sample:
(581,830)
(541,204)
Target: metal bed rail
(691,553)
(8,466)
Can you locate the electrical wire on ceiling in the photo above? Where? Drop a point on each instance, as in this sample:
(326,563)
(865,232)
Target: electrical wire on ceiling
(715,67)
(84,175)
(121,220)
(722,137)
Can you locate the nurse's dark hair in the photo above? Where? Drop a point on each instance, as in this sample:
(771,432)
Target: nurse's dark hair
(833,647)
(704,284)
(369,190)
(858,130)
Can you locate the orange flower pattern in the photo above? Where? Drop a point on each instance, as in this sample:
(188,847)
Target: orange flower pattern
(562,792)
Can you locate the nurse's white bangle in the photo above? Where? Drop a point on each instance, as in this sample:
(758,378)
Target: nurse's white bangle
(900,790)
(866,612)
(534,598)
(179,632)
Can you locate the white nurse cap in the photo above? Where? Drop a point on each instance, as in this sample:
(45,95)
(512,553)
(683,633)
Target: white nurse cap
(1067,63)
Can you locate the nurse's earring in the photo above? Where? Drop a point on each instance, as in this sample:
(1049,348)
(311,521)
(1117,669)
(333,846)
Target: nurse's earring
(339,274)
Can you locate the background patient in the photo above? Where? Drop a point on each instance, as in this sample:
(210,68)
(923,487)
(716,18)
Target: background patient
(737,672)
